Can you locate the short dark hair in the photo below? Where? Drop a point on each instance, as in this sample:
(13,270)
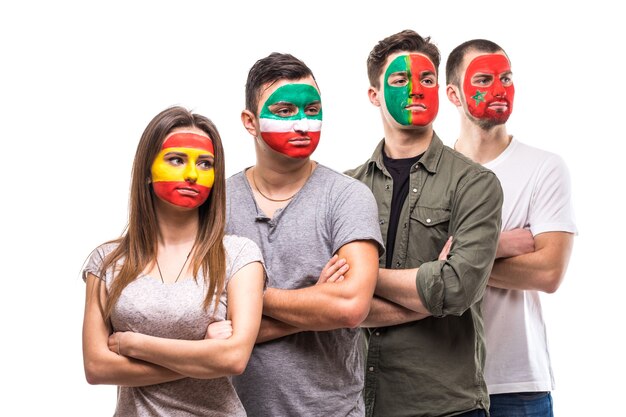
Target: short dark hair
(407,40)
(274,67)
(455,59)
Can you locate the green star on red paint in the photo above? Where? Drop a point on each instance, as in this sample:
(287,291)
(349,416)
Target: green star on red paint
(479,97)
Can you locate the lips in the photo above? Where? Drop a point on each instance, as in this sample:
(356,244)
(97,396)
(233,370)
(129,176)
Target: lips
(416,107)
(188,191)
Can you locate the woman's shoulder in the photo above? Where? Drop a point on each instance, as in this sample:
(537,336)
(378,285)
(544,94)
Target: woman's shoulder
(240,251)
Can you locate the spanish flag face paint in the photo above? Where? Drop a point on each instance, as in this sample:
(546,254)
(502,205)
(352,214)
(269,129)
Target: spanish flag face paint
(411,90)
(488,88)
(291,120)
(182,172)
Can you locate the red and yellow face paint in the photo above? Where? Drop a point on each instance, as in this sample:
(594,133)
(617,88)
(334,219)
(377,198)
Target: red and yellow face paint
(182,172)
(488,88)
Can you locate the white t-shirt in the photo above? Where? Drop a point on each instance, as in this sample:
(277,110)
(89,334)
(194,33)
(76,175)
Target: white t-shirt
(537,196)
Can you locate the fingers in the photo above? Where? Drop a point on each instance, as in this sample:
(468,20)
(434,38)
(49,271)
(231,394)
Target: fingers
(333,270)
(443,255)
(220,330)
(338,276)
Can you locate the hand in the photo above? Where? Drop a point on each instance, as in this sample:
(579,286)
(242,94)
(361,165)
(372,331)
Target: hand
(515,242)
(443,255)
(334,270)
(115,343)
(219,330)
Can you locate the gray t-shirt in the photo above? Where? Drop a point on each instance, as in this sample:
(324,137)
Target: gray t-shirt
(175,311)
(308,373)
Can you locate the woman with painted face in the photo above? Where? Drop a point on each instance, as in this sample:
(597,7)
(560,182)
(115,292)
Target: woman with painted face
(158,298)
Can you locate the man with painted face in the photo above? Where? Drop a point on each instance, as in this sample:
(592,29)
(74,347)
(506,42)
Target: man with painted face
(425,329)
(307,360)
(537,230)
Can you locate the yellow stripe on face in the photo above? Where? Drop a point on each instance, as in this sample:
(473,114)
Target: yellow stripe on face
(180,164)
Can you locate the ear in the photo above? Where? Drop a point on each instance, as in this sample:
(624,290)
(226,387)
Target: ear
(372,93)
(454,95)
(248,119)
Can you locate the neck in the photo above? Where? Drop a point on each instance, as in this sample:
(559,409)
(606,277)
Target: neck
(177,228)
(481,145)
(406,143)
(278,174)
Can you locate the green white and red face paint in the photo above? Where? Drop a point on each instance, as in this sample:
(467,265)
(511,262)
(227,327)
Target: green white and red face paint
(295,134)
(492,101)
(180,172)
(414,101)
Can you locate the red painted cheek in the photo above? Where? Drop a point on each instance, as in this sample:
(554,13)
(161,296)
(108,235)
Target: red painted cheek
(282,142)
(168,191)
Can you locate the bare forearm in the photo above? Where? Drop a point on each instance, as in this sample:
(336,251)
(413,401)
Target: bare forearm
(110,369)
(386,313)
(541,270)
(399,287)
(318,308)
(272,329)
(329,306)
(203,359)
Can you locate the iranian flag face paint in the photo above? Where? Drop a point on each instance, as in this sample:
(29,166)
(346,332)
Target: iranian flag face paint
(291,120)
(488,88)
(182,172)
(411,90)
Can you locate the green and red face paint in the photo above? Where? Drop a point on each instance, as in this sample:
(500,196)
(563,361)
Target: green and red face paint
(411,90)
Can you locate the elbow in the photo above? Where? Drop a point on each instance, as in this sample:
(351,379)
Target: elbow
(234,363)
(93,373)
(551,280)
(353,313)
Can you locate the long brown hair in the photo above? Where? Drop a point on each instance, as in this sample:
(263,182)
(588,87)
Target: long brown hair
(137,247)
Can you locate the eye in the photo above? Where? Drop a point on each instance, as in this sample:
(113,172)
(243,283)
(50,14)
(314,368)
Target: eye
(398,80)
(506,80)
(430,82)
(175,160)
(283,110)
(312,110)
(205,164)
(482,81)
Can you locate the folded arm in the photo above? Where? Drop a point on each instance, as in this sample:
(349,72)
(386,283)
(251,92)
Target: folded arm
(102,366)
(330,305)
(541,269)
(208,358)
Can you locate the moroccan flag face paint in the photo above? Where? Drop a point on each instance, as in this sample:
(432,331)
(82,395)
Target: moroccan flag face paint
(291,120)
(488,88)
(411,90)
(182,172)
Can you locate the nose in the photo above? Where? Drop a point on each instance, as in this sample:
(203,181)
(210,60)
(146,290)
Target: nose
(498,90)
(191,173)
(417,90)
(301,125)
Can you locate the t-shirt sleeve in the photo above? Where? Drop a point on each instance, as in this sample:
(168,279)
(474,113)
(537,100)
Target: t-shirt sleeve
(94,264)
(355,217)
(241,252)
(551,205)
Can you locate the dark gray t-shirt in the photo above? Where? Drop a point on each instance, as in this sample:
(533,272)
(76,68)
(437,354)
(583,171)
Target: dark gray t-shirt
(175,311)
(308,373)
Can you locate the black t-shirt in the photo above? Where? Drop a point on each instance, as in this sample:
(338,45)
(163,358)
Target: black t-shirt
(399,169)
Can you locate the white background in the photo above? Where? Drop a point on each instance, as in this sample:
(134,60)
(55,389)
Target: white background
(80,81)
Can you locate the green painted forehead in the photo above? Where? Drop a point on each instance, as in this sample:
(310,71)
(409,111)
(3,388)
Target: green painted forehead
(300,95)
(401,63)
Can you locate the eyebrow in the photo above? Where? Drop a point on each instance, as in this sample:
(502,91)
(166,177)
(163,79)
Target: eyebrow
(183,154)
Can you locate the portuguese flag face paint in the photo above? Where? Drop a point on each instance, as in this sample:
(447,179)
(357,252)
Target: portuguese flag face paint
(182,172)
(411,90)
(291,120)
(488,88)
